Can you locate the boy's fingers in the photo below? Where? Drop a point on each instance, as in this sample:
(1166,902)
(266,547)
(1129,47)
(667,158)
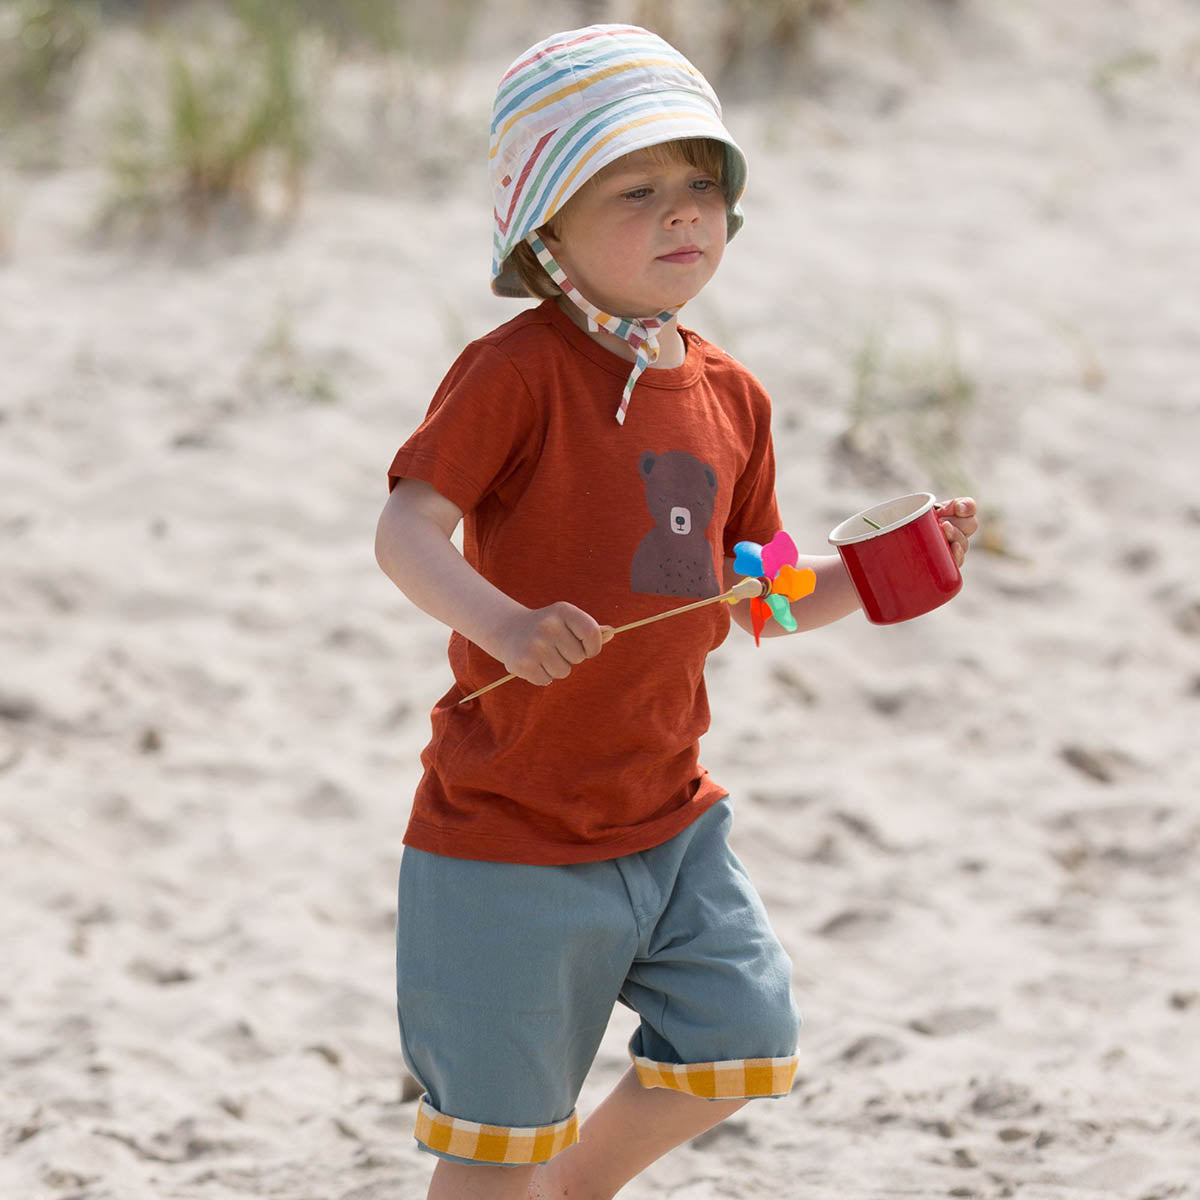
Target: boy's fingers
(960,514)
(585,630)
(573,650)
(958,542)
(554,664)
(959,506)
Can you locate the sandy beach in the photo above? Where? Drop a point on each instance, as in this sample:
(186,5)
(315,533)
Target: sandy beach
(970,264)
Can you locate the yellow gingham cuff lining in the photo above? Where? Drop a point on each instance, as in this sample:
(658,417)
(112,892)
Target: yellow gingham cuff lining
(735,1079)
(492,1143)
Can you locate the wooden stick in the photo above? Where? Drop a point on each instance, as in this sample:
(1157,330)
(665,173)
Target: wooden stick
(745,589)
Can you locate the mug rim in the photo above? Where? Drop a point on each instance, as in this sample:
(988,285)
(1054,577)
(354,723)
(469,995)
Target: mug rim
(837,539)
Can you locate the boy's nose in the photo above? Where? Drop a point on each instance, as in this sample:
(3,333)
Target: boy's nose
(684,211)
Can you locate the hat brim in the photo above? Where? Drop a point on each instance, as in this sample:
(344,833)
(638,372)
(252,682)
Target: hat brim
(631,124)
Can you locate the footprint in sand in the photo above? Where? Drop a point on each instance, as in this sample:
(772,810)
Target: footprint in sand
(1104,764)
(873,1050)
(1003,1098)
(946,1022)
(854,923)
(238,1041)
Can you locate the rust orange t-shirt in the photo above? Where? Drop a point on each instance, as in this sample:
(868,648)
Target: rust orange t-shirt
(561,502)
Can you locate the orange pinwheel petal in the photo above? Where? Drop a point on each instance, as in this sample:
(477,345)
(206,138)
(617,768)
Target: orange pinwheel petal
(794,583)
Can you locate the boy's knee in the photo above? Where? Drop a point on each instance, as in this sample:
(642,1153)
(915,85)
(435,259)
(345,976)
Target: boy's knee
(769,1024)
(787,1025)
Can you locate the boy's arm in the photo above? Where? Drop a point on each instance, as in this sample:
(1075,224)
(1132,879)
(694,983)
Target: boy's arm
(834,596)
(413,547)
(832,599)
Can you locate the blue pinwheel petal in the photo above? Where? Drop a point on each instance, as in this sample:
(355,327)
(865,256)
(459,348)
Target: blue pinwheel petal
(748,559)
(781,610)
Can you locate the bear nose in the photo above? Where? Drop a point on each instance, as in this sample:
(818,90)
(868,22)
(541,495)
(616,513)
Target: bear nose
(681,520)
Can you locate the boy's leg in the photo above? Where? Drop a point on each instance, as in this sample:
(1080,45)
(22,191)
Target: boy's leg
(476,1181)
(713,987)
(633,1127)
(506,977)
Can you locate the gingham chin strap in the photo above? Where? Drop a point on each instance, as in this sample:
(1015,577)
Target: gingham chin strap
(640,332)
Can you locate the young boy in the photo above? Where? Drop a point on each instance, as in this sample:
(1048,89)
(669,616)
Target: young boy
(566,850)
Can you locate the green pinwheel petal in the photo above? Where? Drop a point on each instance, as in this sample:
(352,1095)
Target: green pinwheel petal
(781,610)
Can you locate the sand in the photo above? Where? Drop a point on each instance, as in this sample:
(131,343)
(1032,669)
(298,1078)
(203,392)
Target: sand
(970,263)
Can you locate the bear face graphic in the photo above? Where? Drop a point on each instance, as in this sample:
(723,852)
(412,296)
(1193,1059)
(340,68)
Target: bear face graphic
(676,558)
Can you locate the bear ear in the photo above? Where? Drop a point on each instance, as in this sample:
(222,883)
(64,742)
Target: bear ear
(646,462)
(711,476)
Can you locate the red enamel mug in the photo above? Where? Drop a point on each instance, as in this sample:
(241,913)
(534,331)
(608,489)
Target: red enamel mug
(898,558)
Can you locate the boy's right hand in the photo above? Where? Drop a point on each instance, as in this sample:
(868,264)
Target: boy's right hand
(543,644)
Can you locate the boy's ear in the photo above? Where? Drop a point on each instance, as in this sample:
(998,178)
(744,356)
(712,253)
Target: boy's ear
(551,239)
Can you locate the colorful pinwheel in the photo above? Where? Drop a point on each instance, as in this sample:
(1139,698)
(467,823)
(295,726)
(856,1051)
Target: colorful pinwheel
(775,565)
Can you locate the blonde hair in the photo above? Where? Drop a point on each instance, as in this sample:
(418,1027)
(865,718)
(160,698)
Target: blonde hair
(705,154)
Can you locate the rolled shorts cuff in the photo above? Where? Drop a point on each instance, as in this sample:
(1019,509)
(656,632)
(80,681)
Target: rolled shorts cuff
(734,1079)
(511,1145)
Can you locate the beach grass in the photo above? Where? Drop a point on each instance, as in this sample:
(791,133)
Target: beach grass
(908,423)
(223,115)
(279,366)
(226,109)
(907,413)
(220,116)
(741,44)
(41,44)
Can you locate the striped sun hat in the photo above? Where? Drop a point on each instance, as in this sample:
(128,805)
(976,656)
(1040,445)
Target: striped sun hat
(576,102)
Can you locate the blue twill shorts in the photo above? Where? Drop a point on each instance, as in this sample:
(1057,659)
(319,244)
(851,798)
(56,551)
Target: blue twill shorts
(506,976)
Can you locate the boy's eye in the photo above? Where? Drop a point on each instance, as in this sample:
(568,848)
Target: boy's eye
(640,193)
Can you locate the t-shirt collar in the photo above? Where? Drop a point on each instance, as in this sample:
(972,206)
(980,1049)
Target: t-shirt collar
(640,332)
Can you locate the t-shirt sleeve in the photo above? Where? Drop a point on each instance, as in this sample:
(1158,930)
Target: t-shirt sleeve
(754,512)
(481,426)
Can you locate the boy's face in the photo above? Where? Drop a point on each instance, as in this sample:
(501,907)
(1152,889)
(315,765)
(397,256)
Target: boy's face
(642,235)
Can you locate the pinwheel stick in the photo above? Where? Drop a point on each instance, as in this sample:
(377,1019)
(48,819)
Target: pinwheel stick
(746,589)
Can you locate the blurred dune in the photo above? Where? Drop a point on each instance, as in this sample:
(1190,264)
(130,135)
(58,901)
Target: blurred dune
(969,263)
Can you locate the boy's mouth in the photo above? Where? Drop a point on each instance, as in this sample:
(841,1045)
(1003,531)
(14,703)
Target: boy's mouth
(685,254)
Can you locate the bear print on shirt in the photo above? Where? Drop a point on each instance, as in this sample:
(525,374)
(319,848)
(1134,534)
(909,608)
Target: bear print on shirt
(676,558)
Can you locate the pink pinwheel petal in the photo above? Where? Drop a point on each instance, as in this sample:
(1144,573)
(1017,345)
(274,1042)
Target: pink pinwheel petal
(779,552)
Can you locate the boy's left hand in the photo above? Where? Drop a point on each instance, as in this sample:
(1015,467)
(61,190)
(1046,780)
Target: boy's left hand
(957,518)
